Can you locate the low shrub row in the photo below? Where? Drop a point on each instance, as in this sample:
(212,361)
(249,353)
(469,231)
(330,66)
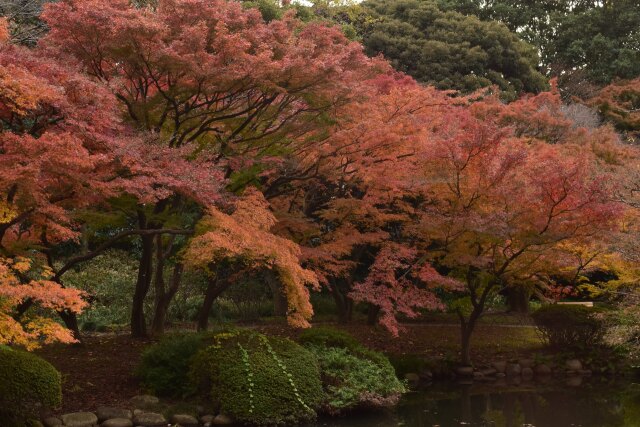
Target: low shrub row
(264,380)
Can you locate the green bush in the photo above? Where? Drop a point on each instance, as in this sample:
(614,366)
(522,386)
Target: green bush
(28,384)
(569,326)
(164,367)
(353,376)
(259,380)
(352,382)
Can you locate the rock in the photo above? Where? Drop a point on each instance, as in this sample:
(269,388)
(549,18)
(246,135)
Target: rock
(527,372)
(426,375)
(137,412)
(106,413)
(542,369)
(513,369)
(573,365)
(144,401)
(489,372)
(412,378)
(575,381)
(500,366)
(585,372)
(222,420)
(184,420)
(52,422)
(526,363)
(501,375)
(35,423)
(465,371)
(478,376)
(117,422)
(207,419)
(149,419)
(79,419)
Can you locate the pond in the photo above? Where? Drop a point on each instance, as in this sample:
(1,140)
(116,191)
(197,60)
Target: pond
(593,403)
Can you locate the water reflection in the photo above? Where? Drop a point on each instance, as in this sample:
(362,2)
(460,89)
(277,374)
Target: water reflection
(594,403)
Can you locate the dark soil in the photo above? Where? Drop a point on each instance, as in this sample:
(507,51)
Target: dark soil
(98,373)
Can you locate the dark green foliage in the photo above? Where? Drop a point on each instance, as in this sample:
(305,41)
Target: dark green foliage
(352,381)
(28,384)
(599,39)
(353,376)
(259,380)
(164,367)
(451,50)
(569,326)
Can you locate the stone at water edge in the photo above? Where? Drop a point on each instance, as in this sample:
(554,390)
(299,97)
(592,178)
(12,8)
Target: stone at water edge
(513,370)
(79,419)
(222,420)
(527,372)
(184,420)
(52,422)
(500,366)
(526,363)
(106,413)
(117,422)
(465,371)
(144,401)
(150,419)
(412,378)
(573,365)
(207,419)
(542,369)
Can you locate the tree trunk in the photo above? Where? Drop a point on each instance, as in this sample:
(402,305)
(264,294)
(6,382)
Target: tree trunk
(518,299)
(280,304)
(467,327)
(164,298)
(145,271)
(70,320)
(214,288)
(372,314)
(343,304)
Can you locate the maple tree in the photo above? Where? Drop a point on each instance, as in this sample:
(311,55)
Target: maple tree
(246,91)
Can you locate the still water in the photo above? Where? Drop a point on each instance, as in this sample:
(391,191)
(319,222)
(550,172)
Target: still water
(593,403)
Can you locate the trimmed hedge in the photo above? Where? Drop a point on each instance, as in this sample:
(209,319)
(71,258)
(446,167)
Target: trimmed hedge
(353,376)
(259,380)
(28,384)
(164,367)
(569,326)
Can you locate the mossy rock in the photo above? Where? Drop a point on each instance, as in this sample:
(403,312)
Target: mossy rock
(259,380)
(28,384)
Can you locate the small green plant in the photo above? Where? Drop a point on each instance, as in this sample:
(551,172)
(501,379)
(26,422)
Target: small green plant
(28,384)
(569,326)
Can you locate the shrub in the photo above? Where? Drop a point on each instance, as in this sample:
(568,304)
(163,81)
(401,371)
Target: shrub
(259,380)
(28,384)
(569,326)
(164,367)
(352,382)
(353,376)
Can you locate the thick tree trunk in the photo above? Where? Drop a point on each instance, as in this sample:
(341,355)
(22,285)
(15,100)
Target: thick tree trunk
(344,304)
(467,327)
(145,272)
(214,288)
(372,314)
(518,299)
(70,320)
(280,304)
(164,298)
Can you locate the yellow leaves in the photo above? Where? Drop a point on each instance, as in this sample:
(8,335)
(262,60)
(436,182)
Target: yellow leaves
(18,284)
(7,213)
